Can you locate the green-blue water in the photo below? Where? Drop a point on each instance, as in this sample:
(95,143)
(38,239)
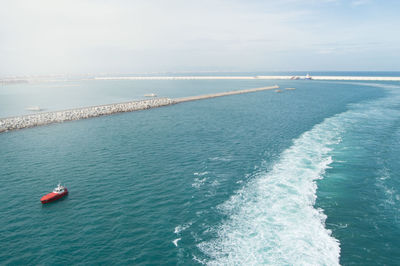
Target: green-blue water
(245,179)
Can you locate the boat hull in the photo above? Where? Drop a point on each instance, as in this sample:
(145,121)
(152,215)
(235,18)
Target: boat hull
(53,197)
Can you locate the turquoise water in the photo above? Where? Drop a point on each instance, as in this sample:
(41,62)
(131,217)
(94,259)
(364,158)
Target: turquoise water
(306,176)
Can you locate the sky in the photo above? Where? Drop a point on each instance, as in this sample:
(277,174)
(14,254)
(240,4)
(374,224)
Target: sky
(45,37)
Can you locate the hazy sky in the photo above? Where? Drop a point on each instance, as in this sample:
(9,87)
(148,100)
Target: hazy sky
(88,36)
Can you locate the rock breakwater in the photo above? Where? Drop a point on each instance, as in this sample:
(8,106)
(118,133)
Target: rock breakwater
(208,96)
(45,118)
(38,119)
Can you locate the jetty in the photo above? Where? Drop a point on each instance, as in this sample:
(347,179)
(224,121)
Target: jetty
(208,96)
(45,118)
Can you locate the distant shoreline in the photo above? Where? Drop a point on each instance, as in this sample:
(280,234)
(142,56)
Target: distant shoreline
(350,78)
(247,76)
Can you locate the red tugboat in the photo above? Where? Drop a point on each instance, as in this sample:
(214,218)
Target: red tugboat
(58,192)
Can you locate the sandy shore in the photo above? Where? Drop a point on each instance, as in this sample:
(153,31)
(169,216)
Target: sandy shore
(360,78)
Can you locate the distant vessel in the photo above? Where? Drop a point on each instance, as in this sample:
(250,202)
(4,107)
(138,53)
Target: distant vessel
(150,95)
(308,76)
(34,108)
(278,90)
(58,192)
(290,89)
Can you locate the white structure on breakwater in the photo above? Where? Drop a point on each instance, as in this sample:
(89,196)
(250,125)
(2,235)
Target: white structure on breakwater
(38,119)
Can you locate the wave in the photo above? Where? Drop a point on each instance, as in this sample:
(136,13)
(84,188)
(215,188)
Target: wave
(175,242)
(198,182)
(181,228)
(272,220)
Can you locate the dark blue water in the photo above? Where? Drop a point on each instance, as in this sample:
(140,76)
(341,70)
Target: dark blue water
(245,179)
(363,183)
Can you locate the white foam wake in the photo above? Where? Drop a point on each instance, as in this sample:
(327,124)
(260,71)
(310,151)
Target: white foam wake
(272,220)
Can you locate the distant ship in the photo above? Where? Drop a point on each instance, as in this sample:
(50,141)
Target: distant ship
(58,193)
(308,76)
(150,95)
(34,108)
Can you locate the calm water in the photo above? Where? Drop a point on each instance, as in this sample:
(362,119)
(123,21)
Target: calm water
(307,176)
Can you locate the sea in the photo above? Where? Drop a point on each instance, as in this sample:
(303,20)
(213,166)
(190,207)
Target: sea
(309,176)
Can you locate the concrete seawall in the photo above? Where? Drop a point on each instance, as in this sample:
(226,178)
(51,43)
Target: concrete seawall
(39,119)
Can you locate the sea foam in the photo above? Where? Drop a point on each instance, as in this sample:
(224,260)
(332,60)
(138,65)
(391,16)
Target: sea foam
(272,220)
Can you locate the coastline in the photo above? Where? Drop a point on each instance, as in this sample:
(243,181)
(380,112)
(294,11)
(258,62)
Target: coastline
(350,78)
(17,80)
